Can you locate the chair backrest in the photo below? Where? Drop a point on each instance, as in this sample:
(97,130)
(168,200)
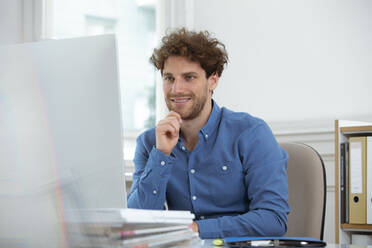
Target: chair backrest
(307,191)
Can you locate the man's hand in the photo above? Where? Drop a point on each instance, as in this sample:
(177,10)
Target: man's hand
(195,227)
(167,132)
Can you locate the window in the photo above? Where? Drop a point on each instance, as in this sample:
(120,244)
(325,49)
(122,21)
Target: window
(133,22)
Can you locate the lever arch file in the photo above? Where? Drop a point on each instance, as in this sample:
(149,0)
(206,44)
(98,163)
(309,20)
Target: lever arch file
(357,190)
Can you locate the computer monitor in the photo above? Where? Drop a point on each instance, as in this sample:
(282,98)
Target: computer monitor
(61,135)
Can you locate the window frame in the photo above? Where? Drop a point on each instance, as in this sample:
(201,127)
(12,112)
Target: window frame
(36,19)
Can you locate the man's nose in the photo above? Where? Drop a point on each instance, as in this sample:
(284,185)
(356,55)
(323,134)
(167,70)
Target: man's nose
(178,85)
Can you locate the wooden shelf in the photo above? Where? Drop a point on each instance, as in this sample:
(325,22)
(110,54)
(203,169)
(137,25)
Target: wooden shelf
(344,130)
(357,226)
(354,130)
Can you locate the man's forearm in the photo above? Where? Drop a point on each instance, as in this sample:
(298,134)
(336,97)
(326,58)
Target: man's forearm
(253,223)
(149,187)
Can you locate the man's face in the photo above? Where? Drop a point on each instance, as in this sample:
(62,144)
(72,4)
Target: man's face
(186,87)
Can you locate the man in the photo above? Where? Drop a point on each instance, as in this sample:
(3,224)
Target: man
(225,167)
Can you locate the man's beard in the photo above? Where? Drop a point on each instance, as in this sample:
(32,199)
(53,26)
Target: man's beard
(196,108)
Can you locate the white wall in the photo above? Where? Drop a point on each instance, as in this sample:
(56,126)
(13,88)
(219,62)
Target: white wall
(10,21)
(293,59)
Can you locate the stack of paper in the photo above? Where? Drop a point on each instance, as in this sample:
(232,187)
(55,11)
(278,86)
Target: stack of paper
(130,228)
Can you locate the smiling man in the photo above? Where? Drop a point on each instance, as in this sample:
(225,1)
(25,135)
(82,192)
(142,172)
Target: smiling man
(225,167)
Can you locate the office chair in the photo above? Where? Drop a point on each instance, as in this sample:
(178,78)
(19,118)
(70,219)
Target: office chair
(307,191)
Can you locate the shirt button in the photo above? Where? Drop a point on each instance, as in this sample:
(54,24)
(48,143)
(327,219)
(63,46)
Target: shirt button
(162,163)
(183,148)
(224,167)
(194,197)
(192,171)
(206,136)
(202,217)
(154,192)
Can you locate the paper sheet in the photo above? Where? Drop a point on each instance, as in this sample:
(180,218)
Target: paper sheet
(356,184)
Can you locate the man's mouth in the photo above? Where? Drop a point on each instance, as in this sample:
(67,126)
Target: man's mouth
(180,99)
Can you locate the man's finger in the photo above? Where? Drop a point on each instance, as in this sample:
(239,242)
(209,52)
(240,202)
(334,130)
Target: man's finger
(171,120)
(175,114)
(168,128)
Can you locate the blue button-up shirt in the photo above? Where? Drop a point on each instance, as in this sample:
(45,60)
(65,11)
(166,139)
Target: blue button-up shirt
(234,180)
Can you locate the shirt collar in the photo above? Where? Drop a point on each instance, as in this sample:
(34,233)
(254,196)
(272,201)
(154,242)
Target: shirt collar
(212,122)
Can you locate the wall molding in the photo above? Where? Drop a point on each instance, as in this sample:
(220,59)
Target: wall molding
(302,127)
(319,134)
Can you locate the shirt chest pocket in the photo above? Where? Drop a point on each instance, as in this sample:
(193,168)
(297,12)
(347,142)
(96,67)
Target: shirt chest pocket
(226,183)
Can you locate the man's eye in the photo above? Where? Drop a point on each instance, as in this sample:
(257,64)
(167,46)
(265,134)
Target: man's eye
(168,79)
(189,78)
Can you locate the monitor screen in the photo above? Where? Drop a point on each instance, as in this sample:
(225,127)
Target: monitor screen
(61,137)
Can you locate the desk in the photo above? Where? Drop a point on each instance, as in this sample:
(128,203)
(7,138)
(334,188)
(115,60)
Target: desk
(207,243)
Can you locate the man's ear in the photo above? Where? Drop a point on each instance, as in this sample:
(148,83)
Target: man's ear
(213,81)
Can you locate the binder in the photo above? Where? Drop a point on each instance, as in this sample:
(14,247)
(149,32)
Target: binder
(369,180)
(357,177)
(347,180)
(342,183)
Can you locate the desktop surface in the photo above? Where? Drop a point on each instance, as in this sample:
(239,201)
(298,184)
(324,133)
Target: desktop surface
(208,243)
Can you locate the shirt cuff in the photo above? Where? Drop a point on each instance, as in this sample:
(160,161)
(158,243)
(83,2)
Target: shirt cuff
(209,229)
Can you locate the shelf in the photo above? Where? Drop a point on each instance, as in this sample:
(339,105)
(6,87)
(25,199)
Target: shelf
(360,130)
(357,227)
(344,130)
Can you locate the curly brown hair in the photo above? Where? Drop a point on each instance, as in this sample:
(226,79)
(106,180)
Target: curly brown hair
(198,47)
